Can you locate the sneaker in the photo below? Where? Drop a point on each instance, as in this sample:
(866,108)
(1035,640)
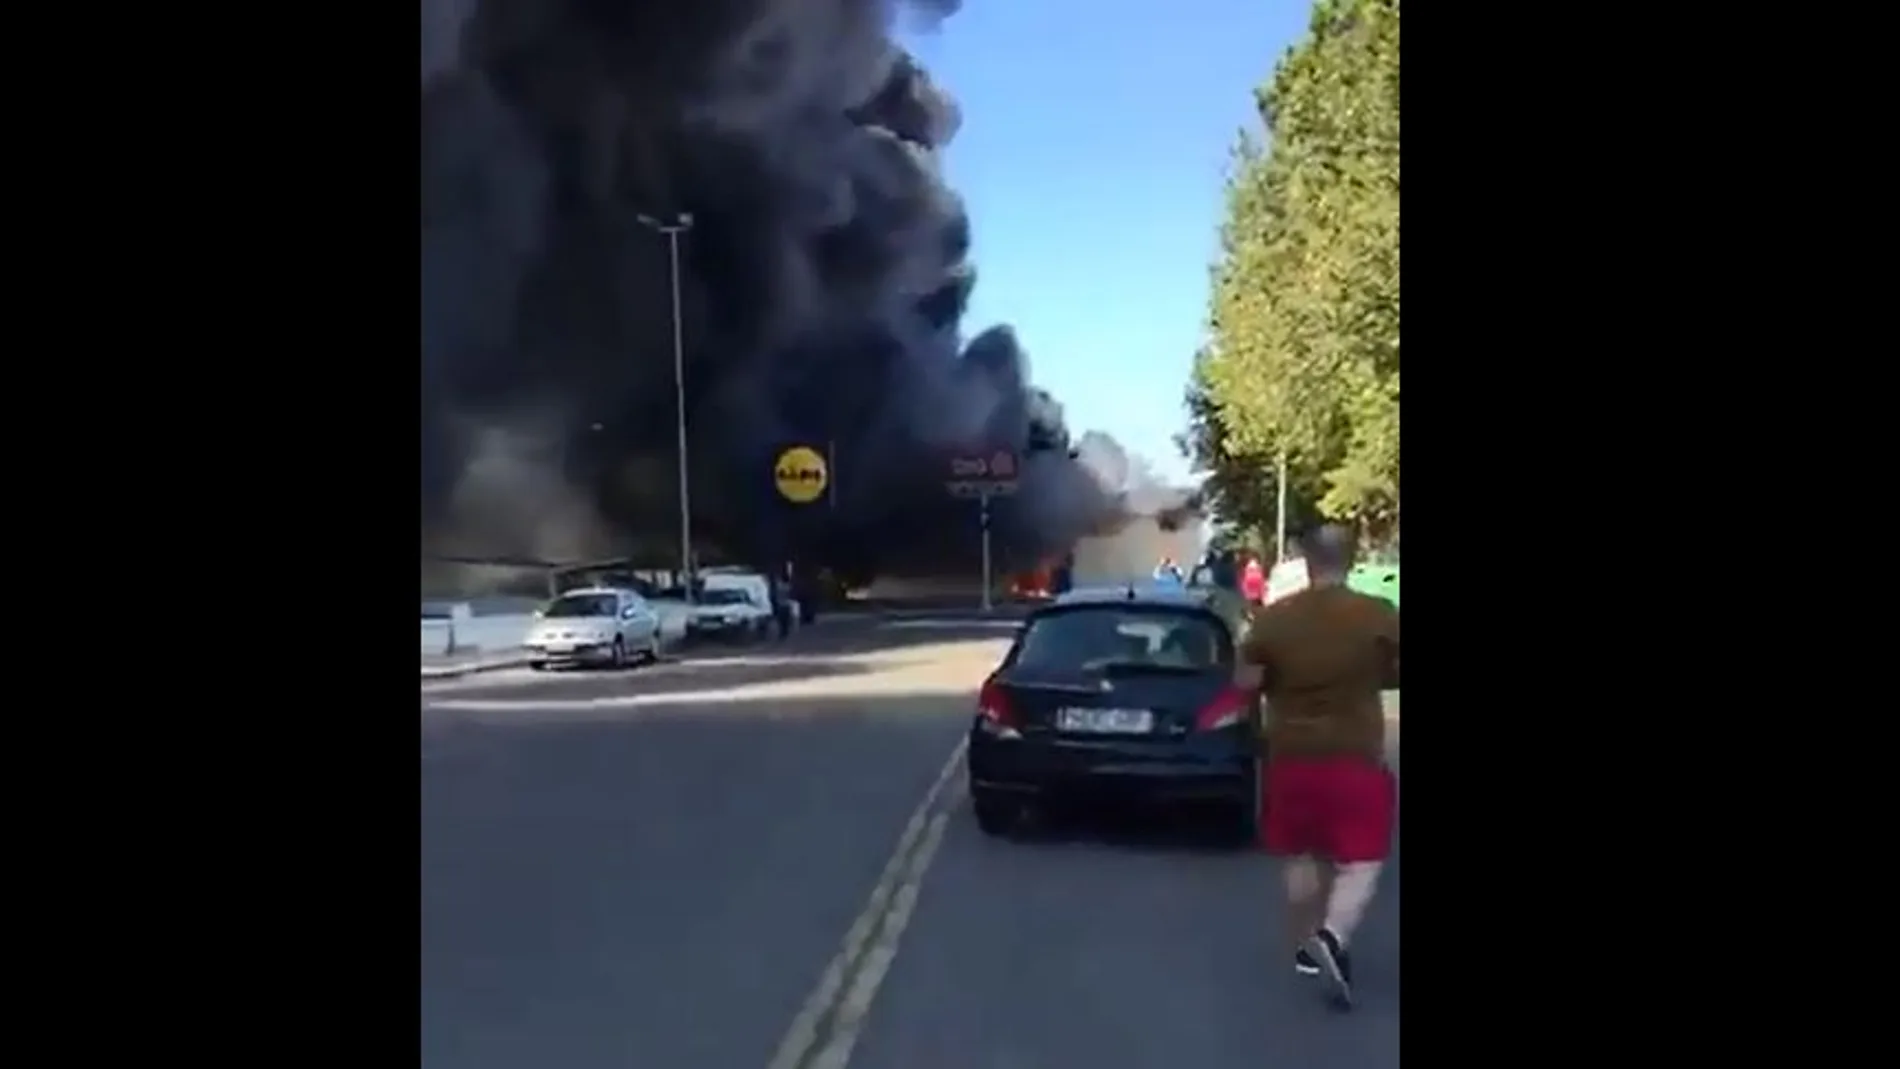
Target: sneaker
(1334,964)
(1305,964)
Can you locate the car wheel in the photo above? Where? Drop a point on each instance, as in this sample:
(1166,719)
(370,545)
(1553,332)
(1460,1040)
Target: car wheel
(539,666)
(1240,824)
(1241,818)
(995,814)
(619,655)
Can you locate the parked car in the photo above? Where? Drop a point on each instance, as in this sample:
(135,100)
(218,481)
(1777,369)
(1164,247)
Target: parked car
(724,611)
(595,625)
(758,591)
(1377,580)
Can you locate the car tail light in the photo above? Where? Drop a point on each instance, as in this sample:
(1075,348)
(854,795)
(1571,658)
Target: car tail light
(993,705)
(1229,707)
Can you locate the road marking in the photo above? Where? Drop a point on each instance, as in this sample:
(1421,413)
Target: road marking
(852,1010)
(902,875)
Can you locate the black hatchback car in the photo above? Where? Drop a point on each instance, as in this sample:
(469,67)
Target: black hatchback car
(1125,690)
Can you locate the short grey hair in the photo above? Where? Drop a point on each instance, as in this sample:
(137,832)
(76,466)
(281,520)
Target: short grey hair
(1330,548)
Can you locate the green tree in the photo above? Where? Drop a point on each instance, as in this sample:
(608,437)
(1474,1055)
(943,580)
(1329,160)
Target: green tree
(1243,488)
(1303,355)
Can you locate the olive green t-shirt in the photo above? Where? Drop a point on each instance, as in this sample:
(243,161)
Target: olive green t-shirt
(1325,654)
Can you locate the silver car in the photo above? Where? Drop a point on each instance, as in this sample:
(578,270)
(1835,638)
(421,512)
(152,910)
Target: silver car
(599,625)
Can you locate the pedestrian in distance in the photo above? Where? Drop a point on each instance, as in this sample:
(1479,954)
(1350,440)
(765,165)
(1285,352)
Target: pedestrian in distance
(1253,581)
(1321,658)
(782,605)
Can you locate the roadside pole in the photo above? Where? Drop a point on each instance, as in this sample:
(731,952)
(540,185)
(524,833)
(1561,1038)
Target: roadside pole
(984,477)
(831,474)
(673,228)
(983,507)
(1279,510)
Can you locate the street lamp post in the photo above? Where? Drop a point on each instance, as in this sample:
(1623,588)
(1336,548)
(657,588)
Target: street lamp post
(1279,512)
(673,228)
(831,474)
(983,503)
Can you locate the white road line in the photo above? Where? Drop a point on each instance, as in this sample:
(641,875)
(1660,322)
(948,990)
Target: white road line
(918,841)
(856,1004)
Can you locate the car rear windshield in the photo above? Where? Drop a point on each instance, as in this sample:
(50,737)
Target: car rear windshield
(1114,636)
(571,605)
(723,597)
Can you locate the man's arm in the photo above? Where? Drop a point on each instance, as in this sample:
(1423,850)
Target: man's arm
(1256,652)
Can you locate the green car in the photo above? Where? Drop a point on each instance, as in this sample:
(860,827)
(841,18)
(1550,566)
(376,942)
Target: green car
(1378,580)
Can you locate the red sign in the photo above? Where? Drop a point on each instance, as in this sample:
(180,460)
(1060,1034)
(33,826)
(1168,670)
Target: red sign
(998,465)
(975,475)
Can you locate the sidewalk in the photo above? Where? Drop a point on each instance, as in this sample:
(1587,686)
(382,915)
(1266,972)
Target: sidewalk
(450,666)
(440,666)
(510,655)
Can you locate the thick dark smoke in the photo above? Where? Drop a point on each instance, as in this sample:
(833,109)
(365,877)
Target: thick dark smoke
(824,278)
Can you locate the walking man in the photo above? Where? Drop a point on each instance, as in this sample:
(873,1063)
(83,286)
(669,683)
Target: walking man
(1323,655)
(781,592)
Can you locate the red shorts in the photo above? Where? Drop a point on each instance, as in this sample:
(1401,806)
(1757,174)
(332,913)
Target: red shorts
(1340,809)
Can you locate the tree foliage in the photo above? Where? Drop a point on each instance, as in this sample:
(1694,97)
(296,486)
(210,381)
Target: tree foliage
(1303,350)
(1243,488)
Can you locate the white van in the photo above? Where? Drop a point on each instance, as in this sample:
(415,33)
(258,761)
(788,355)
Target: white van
(732,603)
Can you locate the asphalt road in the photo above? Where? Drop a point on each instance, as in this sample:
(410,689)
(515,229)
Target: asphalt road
(766,861)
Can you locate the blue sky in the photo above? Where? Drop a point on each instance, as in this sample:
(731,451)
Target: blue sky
(1093,146)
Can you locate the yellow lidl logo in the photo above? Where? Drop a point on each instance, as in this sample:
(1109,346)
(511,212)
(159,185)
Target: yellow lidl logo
(801,475)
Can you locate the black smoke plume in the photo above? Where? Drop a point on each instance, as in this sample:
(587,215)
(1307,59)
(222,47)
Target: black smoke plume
(824,277)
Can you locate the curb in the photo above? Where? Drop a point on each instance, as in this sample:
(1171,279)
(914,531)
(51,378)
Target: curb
(453,671)
(476,668)
(457,671)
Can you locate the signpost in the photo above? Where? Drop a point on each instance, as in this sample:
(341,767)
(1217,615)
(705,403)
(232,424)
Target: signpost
(801,475)
(983,476)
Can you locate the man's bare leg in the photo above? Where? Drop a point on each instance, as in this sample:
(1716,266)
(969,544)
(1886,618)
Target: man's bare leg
(1349,896)
(1346,902)
(1306,893)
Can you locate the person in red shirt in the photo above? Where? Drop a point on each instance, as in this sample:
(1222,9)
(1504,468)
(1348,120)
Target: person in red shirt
(1253,581)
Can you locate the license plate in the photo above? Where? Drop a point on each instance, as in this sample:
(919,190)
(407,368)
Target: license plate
(1106,721)
(560,647)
